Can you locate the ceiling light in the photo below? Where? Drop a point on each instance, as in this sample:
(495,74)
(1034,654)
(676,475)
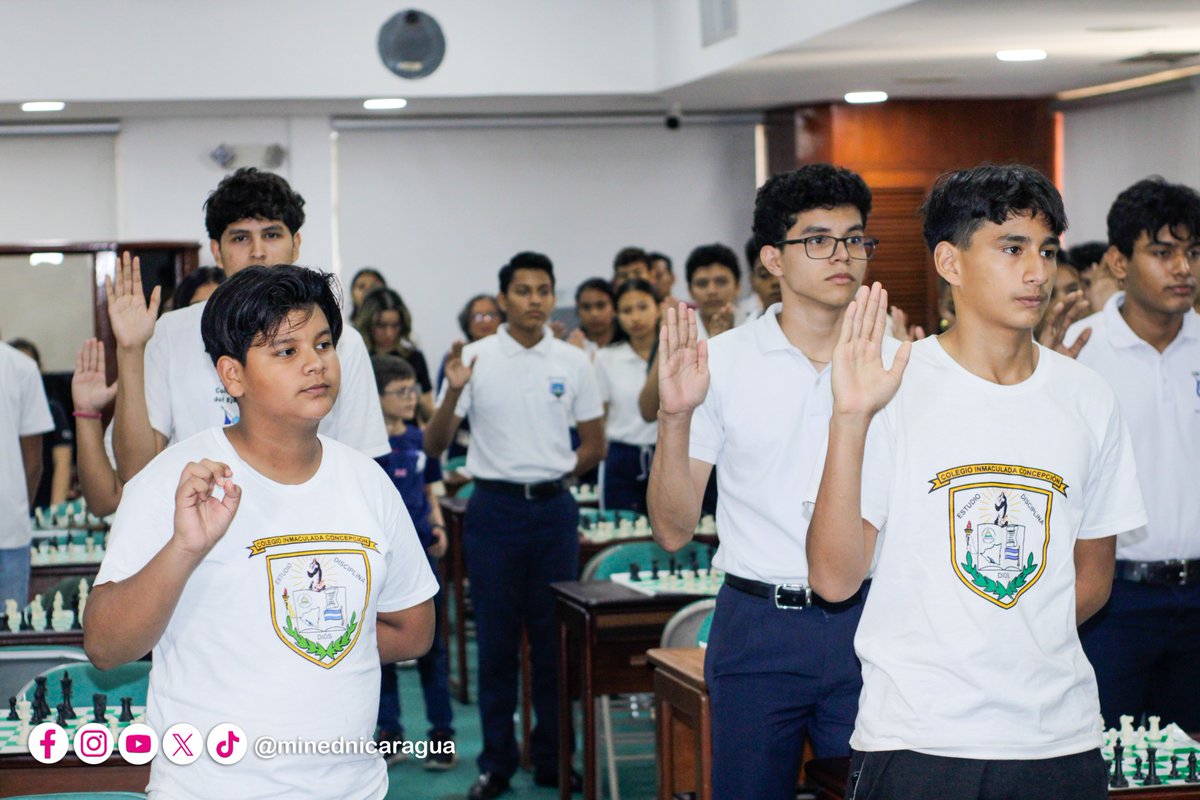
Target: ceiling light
(45,258)
(865,97)
(384,103)
(1021,55)
(52,105)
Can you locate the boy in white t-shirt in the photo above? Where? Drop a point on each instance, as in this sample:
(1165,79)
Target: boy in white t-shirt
(990,487)
(270,602)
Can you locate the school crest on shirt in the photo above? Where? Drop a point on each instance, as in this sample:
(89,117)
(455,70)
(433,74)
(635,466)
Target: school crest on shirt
(558,387)
(1196,377)
(318,597)
(999,526)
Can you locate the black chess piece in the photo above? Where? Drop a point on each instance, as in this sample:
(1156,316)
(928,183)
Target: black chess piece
(36,717)
(12,709)
(1137,771)
(1152,778)
(61,719)
(66,696)
(654,569)
(1174,773)
(634,572)
(126,710)
(39,697)
(1119,781)
(1191,776)
(694,564)
(99,708)
(673,567)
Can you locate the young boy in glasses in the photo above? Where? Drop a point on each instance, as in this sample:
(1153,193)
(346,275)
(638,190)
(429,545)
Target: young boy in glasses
(755,403)
(988,489)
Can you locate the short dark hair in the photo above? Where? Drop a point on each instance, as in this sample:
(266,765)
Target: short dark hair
(789,194)
(708,254)
(1147,207)
(961,201)
(657,256)
(201,276)
(28,348)
(525,260)
(364,271)
(597,285)
(630,255)
(631,285)
(464,316)
(390,368)
(249,308)
(375,303)
(250,194)
(1084,256)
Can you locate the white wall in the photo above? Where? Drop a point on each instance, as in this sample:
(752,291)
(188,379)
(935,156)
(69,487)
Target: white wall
(1107,146)
(439,211)
(57,187)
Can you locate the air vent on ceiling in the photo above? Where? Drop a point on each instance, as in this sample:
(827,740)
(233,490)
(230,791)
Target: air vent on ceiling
(1172,57)
(718,21)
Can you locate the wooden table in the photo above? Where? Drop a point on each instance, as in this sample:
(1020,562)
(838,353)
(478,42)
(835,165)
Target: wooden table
(683,737)
(43,578)
(605,630)
(71,638)
(22,775)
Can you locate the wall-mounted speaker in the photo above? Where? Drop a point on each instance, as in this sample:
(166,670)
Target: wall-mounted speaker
(411,44)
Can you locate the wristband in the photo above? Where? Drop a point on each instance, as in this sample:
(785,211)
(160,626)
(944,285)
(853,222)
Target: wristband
(85,414)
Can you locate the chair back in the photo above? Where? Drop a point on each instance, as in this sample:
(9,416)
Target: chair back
(618,557)
(128,680)
(466,490)
(683,629)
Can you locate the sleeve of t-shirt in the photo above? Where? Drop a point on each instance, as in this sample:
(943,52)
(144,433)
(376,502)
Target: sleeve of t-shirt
(416,360)
(603,384)
(35,408)
(144,522)
(409,580)
(1112,497)
(588,405)
(359,415)
(707,435)
(158,395)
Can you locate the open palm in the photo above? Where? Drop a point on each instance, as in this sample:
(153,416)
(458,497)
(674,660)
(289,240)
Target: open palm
(682,363)
(131,316)
(457,371)
(90,391)
(861,384)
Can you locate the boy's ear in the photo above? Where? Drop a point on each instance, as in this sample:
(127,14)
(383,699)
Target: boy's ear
(502,301)
(772,259)
(215,247)
(1117,263)
(231,371)
(947,260)
(296,247)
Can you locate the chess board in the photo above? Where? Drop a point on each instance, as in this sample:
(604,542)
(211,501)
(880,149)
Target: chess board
(13,740)
(1171,742)
(686,582)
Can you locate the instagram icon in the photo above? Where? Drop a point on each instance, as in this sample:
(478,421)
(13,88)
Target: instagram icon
(93,743)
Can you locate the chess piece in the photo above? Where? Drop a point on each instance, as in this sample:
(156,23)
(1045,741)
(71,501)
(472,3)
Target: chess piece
(1155,733)
(654,569)
(37,614)
(13,615)
(65,684)
(1126,728)
(1152,778)
(61,719)
(1174,773)
(126,710)
(1119,781)
(1191,776)
(672,567)
(99,707)
(634,569)
(1137,771)
(39,696)
(24,709)
(694,563)
(12,709)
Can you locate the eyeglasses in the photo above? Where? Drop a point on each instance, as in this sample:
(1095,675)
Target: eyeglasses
(406,391)
(482,317)
(859,248)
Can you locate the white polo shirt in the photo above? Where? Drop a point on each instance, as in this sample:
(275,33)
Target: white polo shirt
(24,411)
(764,425)
(522,402)
(1159,394)
(184,395)
(621,375)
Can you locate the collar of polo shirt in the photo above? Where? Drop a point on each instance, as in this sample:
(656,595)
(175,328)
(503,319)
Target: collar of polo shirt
(511,346)
(1124,336)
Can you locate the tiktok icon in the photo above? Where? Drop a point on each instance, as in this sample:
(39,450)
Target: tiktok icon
(226,743)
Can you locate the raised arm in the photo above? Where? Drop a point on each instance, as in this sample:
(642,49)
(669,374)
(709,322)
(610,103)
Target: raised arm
(677,481)
(91,394)
(135,442)
(1058,319)
(840,542)
(444,423)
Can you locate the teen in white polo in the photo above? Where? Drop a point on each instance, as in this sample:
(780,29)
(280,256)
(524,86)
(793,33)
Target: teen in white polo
(755,402)
(1146,344)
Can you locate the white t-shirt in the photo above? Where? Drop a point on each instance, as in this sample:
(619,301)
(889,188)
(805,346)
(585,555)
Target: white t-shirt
(24,411)
(764,424)
(522,403)
(184,395)
(968,639)
(620,376)
(342,547)
(1159,395)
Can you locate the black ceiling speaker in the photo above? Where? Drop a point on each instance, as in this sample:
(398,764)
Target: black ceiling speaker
(411,44)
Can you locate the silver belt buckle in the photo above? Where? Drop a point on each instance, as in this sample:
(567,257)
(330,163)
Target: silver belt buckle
(793,587)
(1183,572)
(528,490)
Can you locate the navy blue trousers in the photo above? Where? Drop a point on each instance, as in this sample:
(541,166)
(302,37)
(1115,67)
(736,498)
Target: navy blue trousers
(1145,647)
(627,476)
(775,675)
(434,671)
(515,549)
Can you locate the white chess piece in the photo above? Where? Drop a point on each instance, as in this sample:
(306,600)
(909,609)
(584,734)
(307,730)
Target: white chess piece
(58,603)
(1126,729)
(37,614)
(13,615)
(1154,732)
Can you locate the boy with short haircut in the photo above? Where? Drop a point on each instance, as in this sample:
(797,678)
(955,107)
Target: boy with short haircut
(764,287)
(662,274)
(713,278)
(269,602)
(1146,343)
(167,388)
(755,404)
(630,263)
(416,477)
(990,488)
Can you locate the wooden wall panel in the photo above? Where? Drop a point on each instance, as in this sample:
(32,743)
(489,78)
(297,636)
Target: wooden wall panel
(902,263)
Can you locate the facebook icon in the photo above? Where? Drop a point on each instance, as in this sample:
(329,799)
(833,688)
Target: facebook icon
(48,743)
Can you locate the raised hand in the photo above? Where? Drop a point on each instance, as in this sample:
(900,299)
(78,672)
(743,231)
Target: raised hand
(720,321)
(457,372)
(1058,319)
(578,338)
(902,330)
(131,316)
(682,363)
(201,519)
(861,384)
(90,391)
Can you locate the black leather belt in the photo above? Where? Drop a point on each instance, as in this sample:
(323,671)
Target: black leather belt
(790,595)
(528,491)
(1175,572)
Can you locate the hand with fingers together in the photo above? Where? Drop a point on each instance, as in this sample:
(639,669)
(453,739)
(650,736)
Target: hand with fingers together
(131,316)
(201,519)
(682,363)
(902,330)
(720,321)
(90,391)
(1059,318)
(861,383)
(457,371)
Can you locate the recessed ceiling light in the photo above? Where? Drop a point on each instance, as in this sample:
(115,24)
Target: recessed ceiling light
(51,105)
(1021,55)
(45,258)
(384,103)
(865,97)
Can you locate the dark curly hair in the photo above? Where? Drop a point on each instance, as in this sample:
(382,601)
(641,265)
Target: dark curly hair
(961,201)
(789,194)
(1150,205)
(708,254)
(250,194)
(525,260)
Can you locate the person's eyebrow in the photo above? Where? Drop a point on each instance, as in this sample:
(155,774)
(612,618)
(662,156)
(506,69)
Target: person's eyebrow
(858,226)
(1014,238)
